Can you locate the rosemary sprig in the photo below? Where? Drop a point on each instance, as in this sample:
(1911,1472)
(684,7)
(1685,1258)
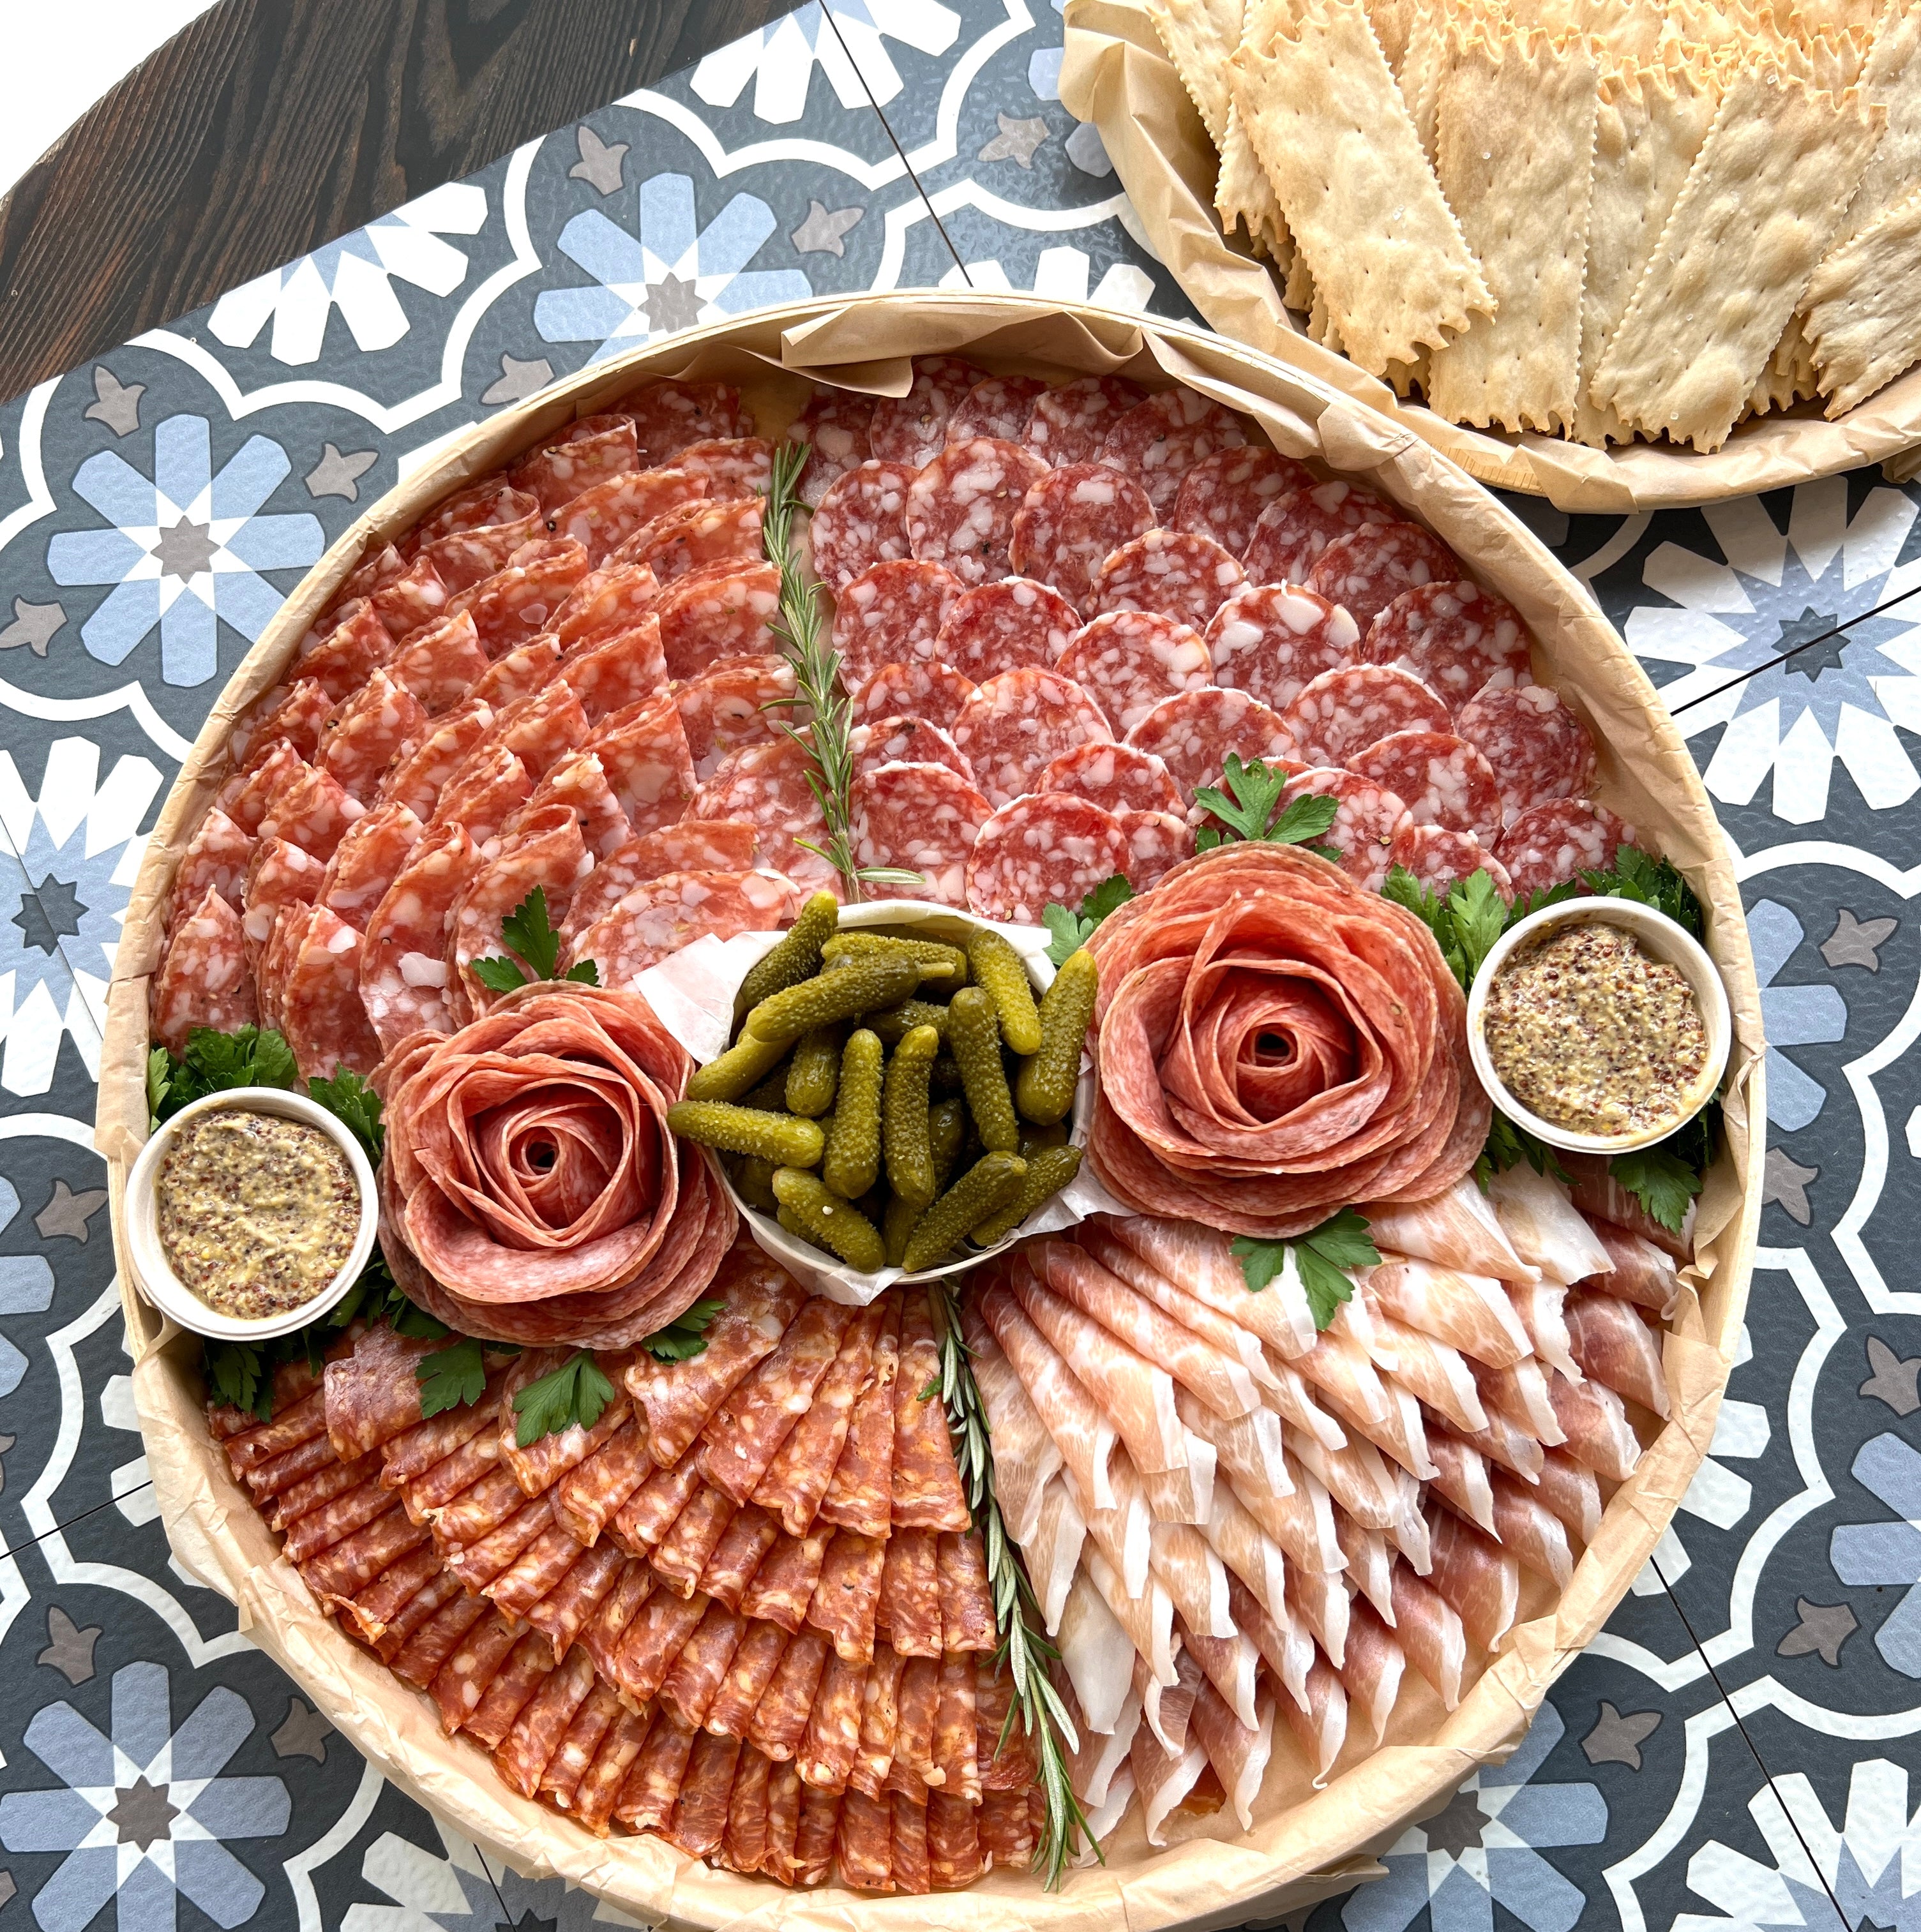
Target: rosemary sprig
(1024,1647)
(810,651)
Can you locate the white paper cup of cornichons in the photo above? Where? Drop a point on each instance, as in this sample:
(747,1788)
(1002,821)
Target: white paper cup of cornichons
(154,1275)
(1660,939)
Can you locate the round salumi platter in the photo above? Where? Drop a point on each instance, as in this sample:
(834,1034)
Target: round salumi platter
(890,890)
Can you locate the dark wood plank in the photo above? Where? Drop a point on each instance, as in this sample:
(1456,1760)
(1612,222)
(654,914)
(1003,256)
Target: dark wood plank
(268,127)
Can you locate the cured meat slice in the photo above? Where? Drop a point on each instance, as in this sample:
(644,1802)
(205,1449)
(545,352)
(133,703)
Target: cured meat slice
(1223,496)
(744,1843)
(545,853)
(695,1676)
(649,1512)
(912,1872)
(509,606)
(1115,777)
(783,1584)
(1007,1766)
(1000,626)
(724,845)
(203,980)
(954,1728)
(367,860)
(834,427)
(880,1721)
(603,516)
(1642,1272)
(1156,842)
(490,786)
(890,614)
(244,797)
(418,781)
(846,1597)
(926,1485)
(492,499)
(541,730)
(860,521)
(1453,637)
(1017,724)
(913,741)
(292,713)
(277,958)
(1069,423)
(1538,749)
(654,1640)
(560,1778)
(780,1723)
(340,661)
(814,1834)
(1158,441)
(611,598)
(644,751)
(735,704)
(737,1557)
(463,558)
(438,662)
(997,405)
(1442,779)
(924,818)
(1553,843)
(1271,640)
(593,449)
(281,874)
(953,1844)
(525,670)
(909,1612)
(668,415)
(1342,712)
(403,956)
(381,722)
(683,1552)
(1192,734)
(1617,1348)
(1366,570)
(967,1599)
(1071,520)
(1128,660)
(755,1659)
(590,1495)
(697,536)
(1046,849)
(740,1439)
(527,1747)
(767,786)
(579,783)
(912,428)
(311,810)
(322,1015)
(706,616)
(666,914)
(1180,576)
(860,1495)
(736,466)
(1294,529)
(700,1811)
(603,1782)
(652,1788)
(960,508)
(864,1849)
(1437,858)
(797,1479)
(934,691)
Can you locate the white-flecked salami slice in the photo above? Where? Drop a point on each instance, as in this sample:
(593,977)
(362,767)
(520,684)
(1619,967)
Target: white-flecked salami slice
(1294,529)
(1157,842)
(1128,661)
(891,613)
(1171,572)
(1343,711)
(403,959)
(663,914)
(368,861)
(934,691)
(1071,520)
(1539,750)
(834,426)
(1223,495)
(417,782)
(1552,843)
(667,416)
(381,722)
(1453,637)
(713,615)
(694,845)
(581,784)
(961,506)
(1159,441)
(1049,849)
(923,817)
(545,851)
(1443,780)
(312,811)
(999,406)
(593,448)
(512,605)
(1439,858)
(440,662)
(1069,423)
(203,979)
(609,673)
(741,703)
(281,874)
(1274,639)
(1002,625)
(218,857)
(612,597)
(911,428)
(734,466)
(321,1012)
(1116,777)
(860,521)
(1368,819)
(602,518)
(766,786)
(1016,724)
(1193,733)
(697,536)
(913,741)
(1366,570)
(644,751)
(526,669)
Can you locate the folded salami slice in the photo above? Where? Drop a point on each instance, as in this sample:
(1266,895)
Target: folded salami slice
(695,536)
(1069,423)
(510,606)
(1070,521)
(438,662)
(340,662)
(1537,749)
(1274,639)
(217,857)
(1128,661)
(891,613)
(733,465)
(1294,529)
(1553,843)
(1181,577)
(645,752)
(1223,495)
(418,781)
(603,517)
(1157,442)
(1193,732)
(909,1612)
(1437,858)
(1366,570)
(935,692)
(834,427)
(859,1496)
(767,786)
(692,845)
(1156,842)
(667,416)
(368,861)
(710,616)
(609,598)
(593,449)
(491,500)
(203,979)
(610,672)
(1016,724)
(911,429)
(1343,711)
(321,1012)
(281,874)
(542,729)
(1368,820)
(960,508)
(661,915)
(861,521)
(381,722)
(1453,637)
(544,852)
(244,797)
(526,669)
(1116,777)
(311,810)
(741,703)
(925,818)
(1002,625)
(461,558)
(403,960)
(893,741)
(1442,779)
(289,713)
(1044,849)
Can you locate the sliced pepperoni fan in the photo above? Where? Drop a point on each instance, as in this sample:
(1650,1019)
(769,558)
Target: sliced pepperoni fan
(1128,661)
(667,416)
(203,980)
(1442,779)
(1157,842)
(834,427)
(737,704)
(602,518)
(922,817)
(664,914)
(1438,858)
(961,507)
(1343,711)
(1366,570)
(1071,520)
(1116,777)
(1293,530)
(1193,733)
(1069,423)
(1453,637)
(935,692)
(766,786)
(1223,495)
(1157,442)
(1553,843)
(1045,850)
(1272,640)
(910,429)
(893,741)
(891,613)
(860,522)
(1168,571)
(711,616)
(1368,820)
(1016,724)
(1538,749)
(999,406)
(1001,626)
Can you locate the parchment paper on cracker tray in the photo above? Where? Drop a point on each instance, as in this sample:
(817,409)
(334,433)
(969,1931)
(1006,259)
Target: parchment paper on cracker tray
(1117,74)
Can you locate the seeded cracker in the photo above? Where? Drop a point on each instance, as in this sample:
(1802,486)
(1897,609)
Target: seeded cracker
(1761,202)
(1329,125)
(1516,157)
(1863,311)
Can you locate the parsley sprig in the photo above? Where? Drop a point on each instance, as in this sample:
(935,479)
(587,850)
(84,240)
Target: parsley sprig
(573,1394)
(1321,1258)
(684,1337)
(528,931)
(214,1062)
(1072,931)
(1257,789)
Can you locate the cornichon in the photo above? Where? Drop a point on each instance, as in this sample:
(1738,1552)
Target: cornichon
(998,967)
(796,957)
(1033,1138)
(814,1072)
(1048,1171)
(897,1225)
(852,1162)
(755,1180)
(904,1115)
(741,1067)
(819,1002)
(949,962)
(820,1216)
(990,1183)
(1045,1090)
(973,1036)
(782,1138)
(893,1023)
(946,1135)
(770,1096)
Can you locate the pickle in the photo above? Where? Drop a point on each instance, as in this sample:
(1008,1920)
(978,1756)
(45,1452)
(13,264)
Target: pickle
(1044,1089)
(1033,1139)
(1048,1172)
(754,1179)
(892,1023)
(904,1115)
(829,997)
(973,1036)
(897,1226)
(945,1079)
(810,1208)
(795,957)
(779,1138)
(814,1072)
(989,1183)
(853,1157)
(947,1135)
(941,966)
(770,1097)
(744,1063)
(998,967)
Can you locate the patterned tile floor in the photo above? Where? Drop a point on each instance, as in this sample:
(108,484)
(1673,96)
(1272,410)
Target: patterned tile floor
(1733,1751)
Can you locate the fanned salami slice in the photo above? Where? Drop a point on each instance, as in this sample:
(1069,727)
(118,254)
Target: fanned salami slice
(312,811)
(1194,732)
(593,449)
(891,613)
(217,856)
(609,674)
(376,567)
(342,661)
(321,1012)
(766,786)
(418,782)
(1170,572)
(463,558)
(1069,423)
(693,845)
(541,730)
(491,500)
(1442,779)
(1453,637)
(1071,520)
(383,722)
(667,416)
(1366,570)
(289,713)
(403,959)
(892,741)
(924,817)
(1001,626)
(281,874)
(244,797)
(610,598)
(935,692)
(1539,750)
(545,851)
(1157,841)
(1048,849)
(734,466)
(1293,530)
(602,518)
(644,751)
(697,536)
(525,669)
(1368,820)
(1554,842)
(999,406)
(834,427)
(1343,711)
(368,861)
(283,947)
(440,662)
(203,980)
(417,596)
(1159,441)
(487,790)
(860,521)
(1274,639)
(1223,495)
(1128,661)
(580,784)
(508,608)
(710,616)
(1438,858)
(1116,777)
(911,428)
(662,915)
(735,704)
(960,508)
(1015,725)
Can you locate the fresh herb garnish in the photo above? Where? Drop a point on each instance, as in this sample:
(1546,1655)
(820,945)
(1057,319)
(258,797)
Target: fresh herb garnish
(573,1394)
(454,1376)
(1508,1144)
(1257,790)
(349,1098)
(236,1373)
(1465,920)
(686,1336)
(527,930)
(1666,1178)
(214,1062)
(1322,1257)
(1072,931)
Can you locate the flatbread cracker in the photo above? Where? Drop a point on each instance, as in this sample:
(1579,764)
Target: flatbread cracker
(1760,204)
(1419,73)
(1244,193)
(1516,157)
(1328,123)
(1862,312)
(1891,79)
(1789,374)
(1200,37)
